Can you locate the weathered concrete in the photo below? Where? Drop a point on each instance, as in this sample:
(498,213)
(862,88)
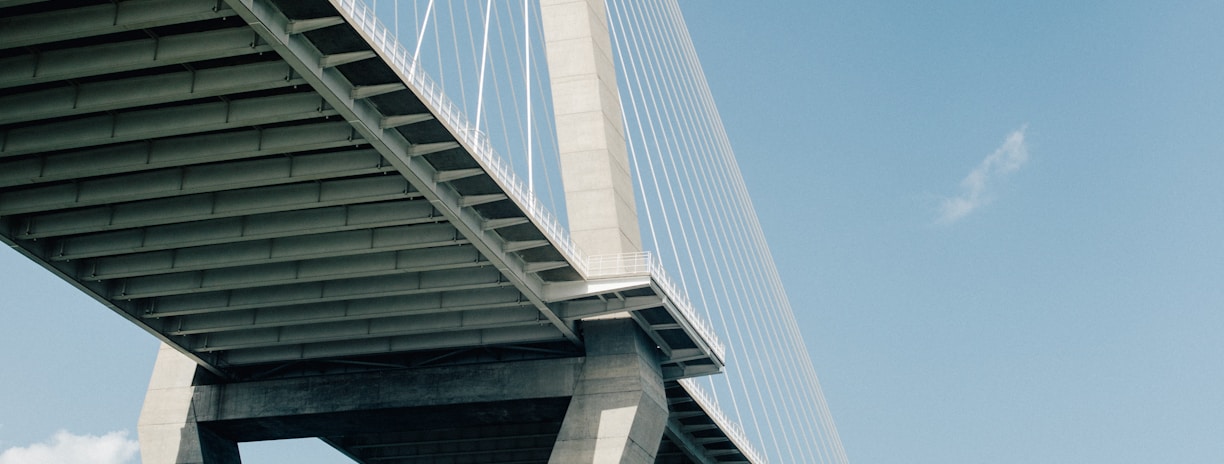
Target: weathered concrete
(619,409)
(617,406)
(380,390)
(186,422)
(590,132)
(169,430)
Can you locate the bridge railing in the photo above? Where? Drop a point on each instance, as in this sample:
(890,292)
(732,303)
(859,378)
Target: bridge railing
(602,266)
(451,115)
(364,19)
(728,426)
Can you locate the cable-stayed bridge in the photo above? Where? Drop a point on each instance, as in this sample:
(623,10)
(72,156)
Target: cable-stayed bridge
(327,216)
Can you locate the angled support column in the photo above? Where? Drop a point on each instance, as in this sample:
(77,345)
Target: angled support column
(619,409)
(169,432)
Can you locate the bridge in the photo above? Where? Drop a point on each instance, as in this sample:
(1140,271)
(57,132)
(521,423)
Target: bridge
(327,246)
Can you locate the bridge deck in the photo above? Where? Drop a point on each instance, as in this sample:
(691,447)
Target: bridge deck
(261,185)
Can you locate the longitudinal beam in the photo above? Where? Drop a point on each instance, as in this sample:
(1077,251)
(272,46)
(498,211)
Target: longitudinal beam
(315,246)
(93,97)
(396,344)
(466,300)
(352,330)
(244,228)
(192,180)
(207,206)
(174,152)
(297,272)
(152,123)
(322,292)
(55,65)
(107,18)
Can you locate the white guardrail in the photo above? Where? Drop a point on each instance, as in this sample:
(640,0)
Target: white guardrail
(381,38)
(731,428)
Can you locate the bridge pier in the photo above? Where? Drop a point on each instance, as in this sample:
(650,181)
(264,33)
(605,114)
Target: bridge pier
(168,427)
(619,409)
(609,407)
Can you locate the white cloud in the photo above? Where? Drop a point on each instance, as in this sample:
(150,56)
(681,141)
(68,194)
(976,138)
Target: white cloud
(1006,159)
(67,448)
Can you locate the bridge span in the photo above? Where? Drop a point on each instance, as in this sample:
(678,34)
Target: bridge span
(326,247)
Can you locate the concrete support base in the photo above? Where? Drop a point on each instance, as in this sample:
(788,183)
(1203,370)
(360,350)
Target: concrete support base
(619,409)
(168,429)
(609,407)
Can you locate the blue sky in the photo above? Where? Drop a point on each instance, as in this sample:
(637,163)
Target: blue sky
(1072,315)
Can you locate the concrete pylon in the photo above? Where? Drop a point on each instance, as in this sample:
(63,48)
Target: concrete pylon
(619,409)
(167,429)
(590,132)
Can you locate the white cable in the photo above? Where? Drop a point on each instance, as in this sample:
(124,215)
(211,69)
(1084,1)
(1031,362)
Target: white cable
(699,217)
(527,83)
(742,304)
(416,54)
(755,229)
(484,58)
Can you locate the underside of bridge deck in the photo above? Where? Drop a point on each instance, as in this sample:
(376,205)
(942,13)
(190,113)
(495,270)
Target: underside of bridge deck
(258,186)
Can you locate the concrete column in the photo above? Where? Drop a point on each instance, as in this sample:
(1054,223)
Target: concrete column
(619,409)
(169,433)
(590,132)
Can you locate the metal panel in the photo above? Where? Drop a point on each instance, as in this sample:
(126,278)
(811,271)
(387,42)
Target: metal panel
(216,205)
(296,272)
(102,19)
(321,292)
(466,300)
(192,180)
(73,63)
(162,122)
(93,97)
(174,152)
(240,229)
(273,250)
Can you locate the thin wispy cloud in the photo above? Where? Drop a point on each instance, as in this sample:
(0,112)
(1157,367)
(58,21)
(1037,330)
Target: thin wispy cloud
(68,448)
(1008,158)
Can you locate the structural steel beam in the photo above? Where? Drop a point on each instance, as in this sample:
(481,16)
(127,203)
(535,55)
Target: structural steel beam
(11,3)
(174,152)
(207,206)
(325,245)
(467,300)
(331,61)
(322,292)
(306,25)
(245,228)
(367,91)
(72,63)
(161,122)
(390,122)
(58,25)
(94,97)
(398,344)
(355,330)
(298,272)
(192,180)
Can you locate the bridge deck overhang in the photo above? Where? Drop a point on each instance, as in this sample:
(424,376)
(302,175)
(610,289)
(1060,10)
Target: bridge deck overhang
(265,186)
